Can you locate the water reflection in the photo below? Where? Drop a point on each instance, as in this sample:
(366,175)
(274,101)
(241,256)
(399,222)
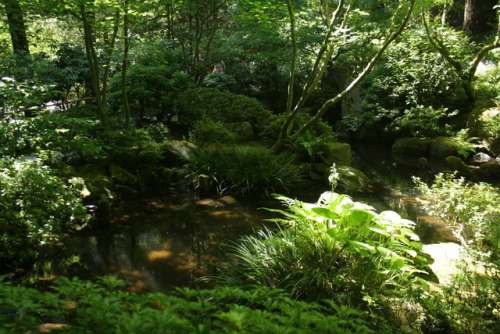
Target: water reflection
(155,242)
(393,188)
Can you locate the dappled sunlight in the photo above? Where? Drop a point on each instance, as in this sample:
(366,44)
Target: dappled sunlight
(159,255)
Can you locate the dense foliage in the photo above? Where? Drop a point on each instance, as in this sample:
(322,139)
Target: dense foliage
(470,302)
(98,98)
(36,207)
(103,307)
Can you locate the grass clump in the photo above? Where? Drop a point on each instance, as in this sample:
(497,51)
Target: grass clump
(246,171)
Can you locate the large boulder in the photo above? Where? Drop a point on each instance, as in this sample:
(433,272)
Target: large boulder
(443,147)
(412,146)
(489,171)
(458,165)
(338,153)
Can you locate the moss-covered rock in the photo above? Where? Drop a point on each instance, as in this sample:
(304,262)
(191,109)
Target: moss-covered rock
(123,176)
(411,146)
(338,153)
(495,146)
(443,147)
(489,171)
(351,179)
(457,164)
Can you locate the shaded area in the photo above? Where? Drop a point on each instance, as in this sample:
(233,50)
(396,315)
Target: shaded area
(154,243)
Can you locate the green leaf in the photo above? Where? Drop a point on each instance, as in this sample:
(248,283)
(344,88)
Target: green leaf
(362,248)
(324,212)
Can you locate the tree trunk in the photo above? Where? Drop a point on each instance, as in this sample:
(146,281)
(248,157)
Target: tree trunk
(17,28)
(478,14)
(93,62)
(126,42)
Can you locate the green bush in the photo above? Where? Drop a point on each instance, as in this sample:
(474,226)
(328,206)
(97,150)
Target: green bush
(336,249)
(247,171)
(470,302)
(211,132)
(220,81)
(311,145)
(52,135)
(152,90)
(36,207)
(134,147)
(220,106)
(103,307)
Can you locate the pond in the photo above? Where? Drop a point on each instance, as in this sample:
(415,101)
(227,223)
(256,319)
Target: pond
(160,241)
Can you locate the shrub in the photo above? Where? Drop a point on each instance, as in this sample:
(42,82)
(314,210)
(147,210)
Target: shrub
(220,81)
(247,171)
(211,132)
(103,307)
(36,207)
(152,90)
(335,248)
(469,303)
(220,106)
(54,135)
(312,144)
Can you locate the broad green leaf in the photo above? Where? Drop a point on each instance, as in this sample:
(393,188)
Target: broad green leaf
(362,248)
(324,212)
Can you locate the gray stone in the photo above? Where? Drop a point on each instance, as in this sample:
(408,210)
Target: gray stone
(481,157)
(178,152)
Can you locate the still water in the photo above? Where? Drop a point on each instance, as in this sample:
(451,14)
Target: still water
(155,242)
(160,241)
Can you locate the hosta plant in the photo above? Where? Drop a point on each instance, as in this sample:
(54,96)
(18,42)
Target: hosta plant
(334,248)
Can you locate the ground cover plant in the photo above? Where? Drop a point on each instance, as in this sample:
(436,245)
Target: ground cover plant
(104,307)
